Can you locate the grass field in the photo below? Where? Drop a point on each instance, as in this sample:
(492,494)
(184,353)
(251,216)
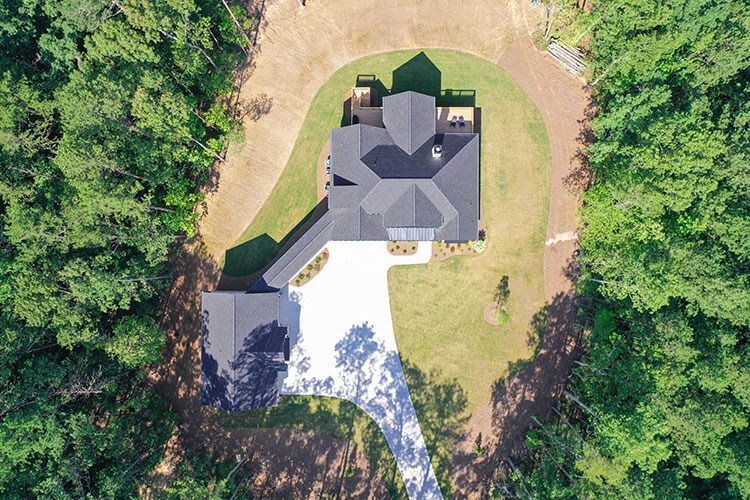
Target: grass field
(438,308)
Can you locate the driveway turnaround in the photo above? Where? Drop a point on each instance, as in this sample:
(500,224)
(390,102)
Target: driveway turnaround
(343,346)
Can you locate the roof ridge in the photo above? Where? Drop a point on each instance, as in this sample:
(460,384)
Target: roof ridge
(411,129)
(234,349)
(414,201)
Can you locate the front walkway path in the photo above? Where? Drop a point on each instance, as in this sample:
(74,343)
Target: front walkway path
(343,346)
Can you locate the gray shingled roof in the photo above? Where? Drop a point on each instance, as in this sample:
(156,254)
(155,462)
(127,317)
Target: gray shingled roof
(386,178)
(243,349)
(409,117)
(300,253)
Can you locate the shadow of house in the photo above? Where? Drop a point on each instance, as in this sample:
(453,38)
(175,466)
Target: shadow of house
(418,74)
(248,259)
(377,87)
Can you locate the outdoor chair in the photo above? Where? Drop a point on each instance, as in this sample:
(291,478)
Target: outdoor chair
(461,121)
(453,122)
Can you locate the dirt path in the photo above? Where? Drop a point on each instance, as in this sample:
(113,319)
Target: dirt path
(301,47)
(502,423)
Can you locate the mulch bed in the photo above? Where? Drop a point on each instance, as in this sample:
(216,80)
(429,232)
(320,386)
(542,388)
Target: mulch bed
(312,269)
(489,314)
(442,250)
(402,247)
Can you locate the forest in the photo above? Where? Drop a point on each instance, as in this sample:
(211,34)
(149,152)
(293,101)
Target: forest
(111,115)
(659,405)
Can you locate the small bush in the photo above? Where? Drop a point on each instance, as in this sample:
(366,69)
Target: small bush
(301,276)
(453,249)
(309,267)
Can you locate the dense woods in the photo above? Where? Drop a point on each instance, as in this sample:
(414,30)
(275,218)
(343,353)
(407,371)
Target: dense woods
(111,115)
(659,405)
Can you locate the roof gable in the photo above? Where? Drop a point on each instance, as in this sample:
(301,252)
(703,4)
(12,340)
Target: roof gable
(409,117)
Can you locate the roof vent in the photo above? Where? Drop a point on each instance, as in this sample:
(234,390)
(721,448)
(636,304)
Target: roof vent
(437,150)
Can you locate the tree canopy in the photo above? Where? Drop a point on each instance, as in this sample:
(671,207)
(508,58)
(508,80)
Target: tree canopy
(112,114)
(666,263)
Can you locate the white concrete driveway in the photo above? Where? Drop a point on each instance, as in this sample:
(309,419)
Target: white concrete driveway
(343,346)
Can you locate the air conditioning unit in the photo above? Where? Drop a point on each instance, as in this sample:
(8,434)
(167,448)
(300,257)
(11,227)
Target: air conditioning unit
(437,151)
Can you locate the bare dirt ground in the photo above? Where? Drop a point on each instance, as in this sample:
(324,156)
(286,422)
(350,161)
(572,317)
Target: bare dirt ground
(502,423)
(298,50)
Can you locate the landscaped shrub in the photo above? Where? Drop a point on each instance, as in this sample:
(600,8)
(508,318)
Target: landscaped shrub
(480,246)
(309,267)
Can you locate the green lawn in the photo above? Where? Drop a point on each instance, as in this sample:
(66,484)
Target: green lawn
(438,308)
(452,357)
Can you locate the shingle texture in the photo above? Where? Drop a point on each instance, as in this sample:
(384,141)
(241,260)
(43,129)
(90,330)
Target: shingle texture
(242,350)
(288,264)
(387,180)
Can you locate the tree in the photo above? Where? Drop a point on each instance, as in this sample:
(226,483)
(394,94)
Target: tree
(111,115)
(662,406)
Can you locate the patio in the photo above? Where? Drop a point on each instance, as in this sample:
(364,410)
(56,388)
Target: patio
(362,99)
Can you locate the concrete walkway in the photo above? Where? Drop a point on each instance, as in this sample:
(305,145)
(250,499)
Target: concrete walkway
(343,346)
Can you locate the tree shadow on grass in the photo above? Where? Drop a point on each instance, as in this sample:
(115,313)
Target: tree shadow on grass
(530,389)
(441,405)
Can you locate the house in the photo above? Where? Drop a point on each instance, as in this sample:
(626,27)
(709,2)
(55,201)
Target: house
(243,349)
(406,171)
